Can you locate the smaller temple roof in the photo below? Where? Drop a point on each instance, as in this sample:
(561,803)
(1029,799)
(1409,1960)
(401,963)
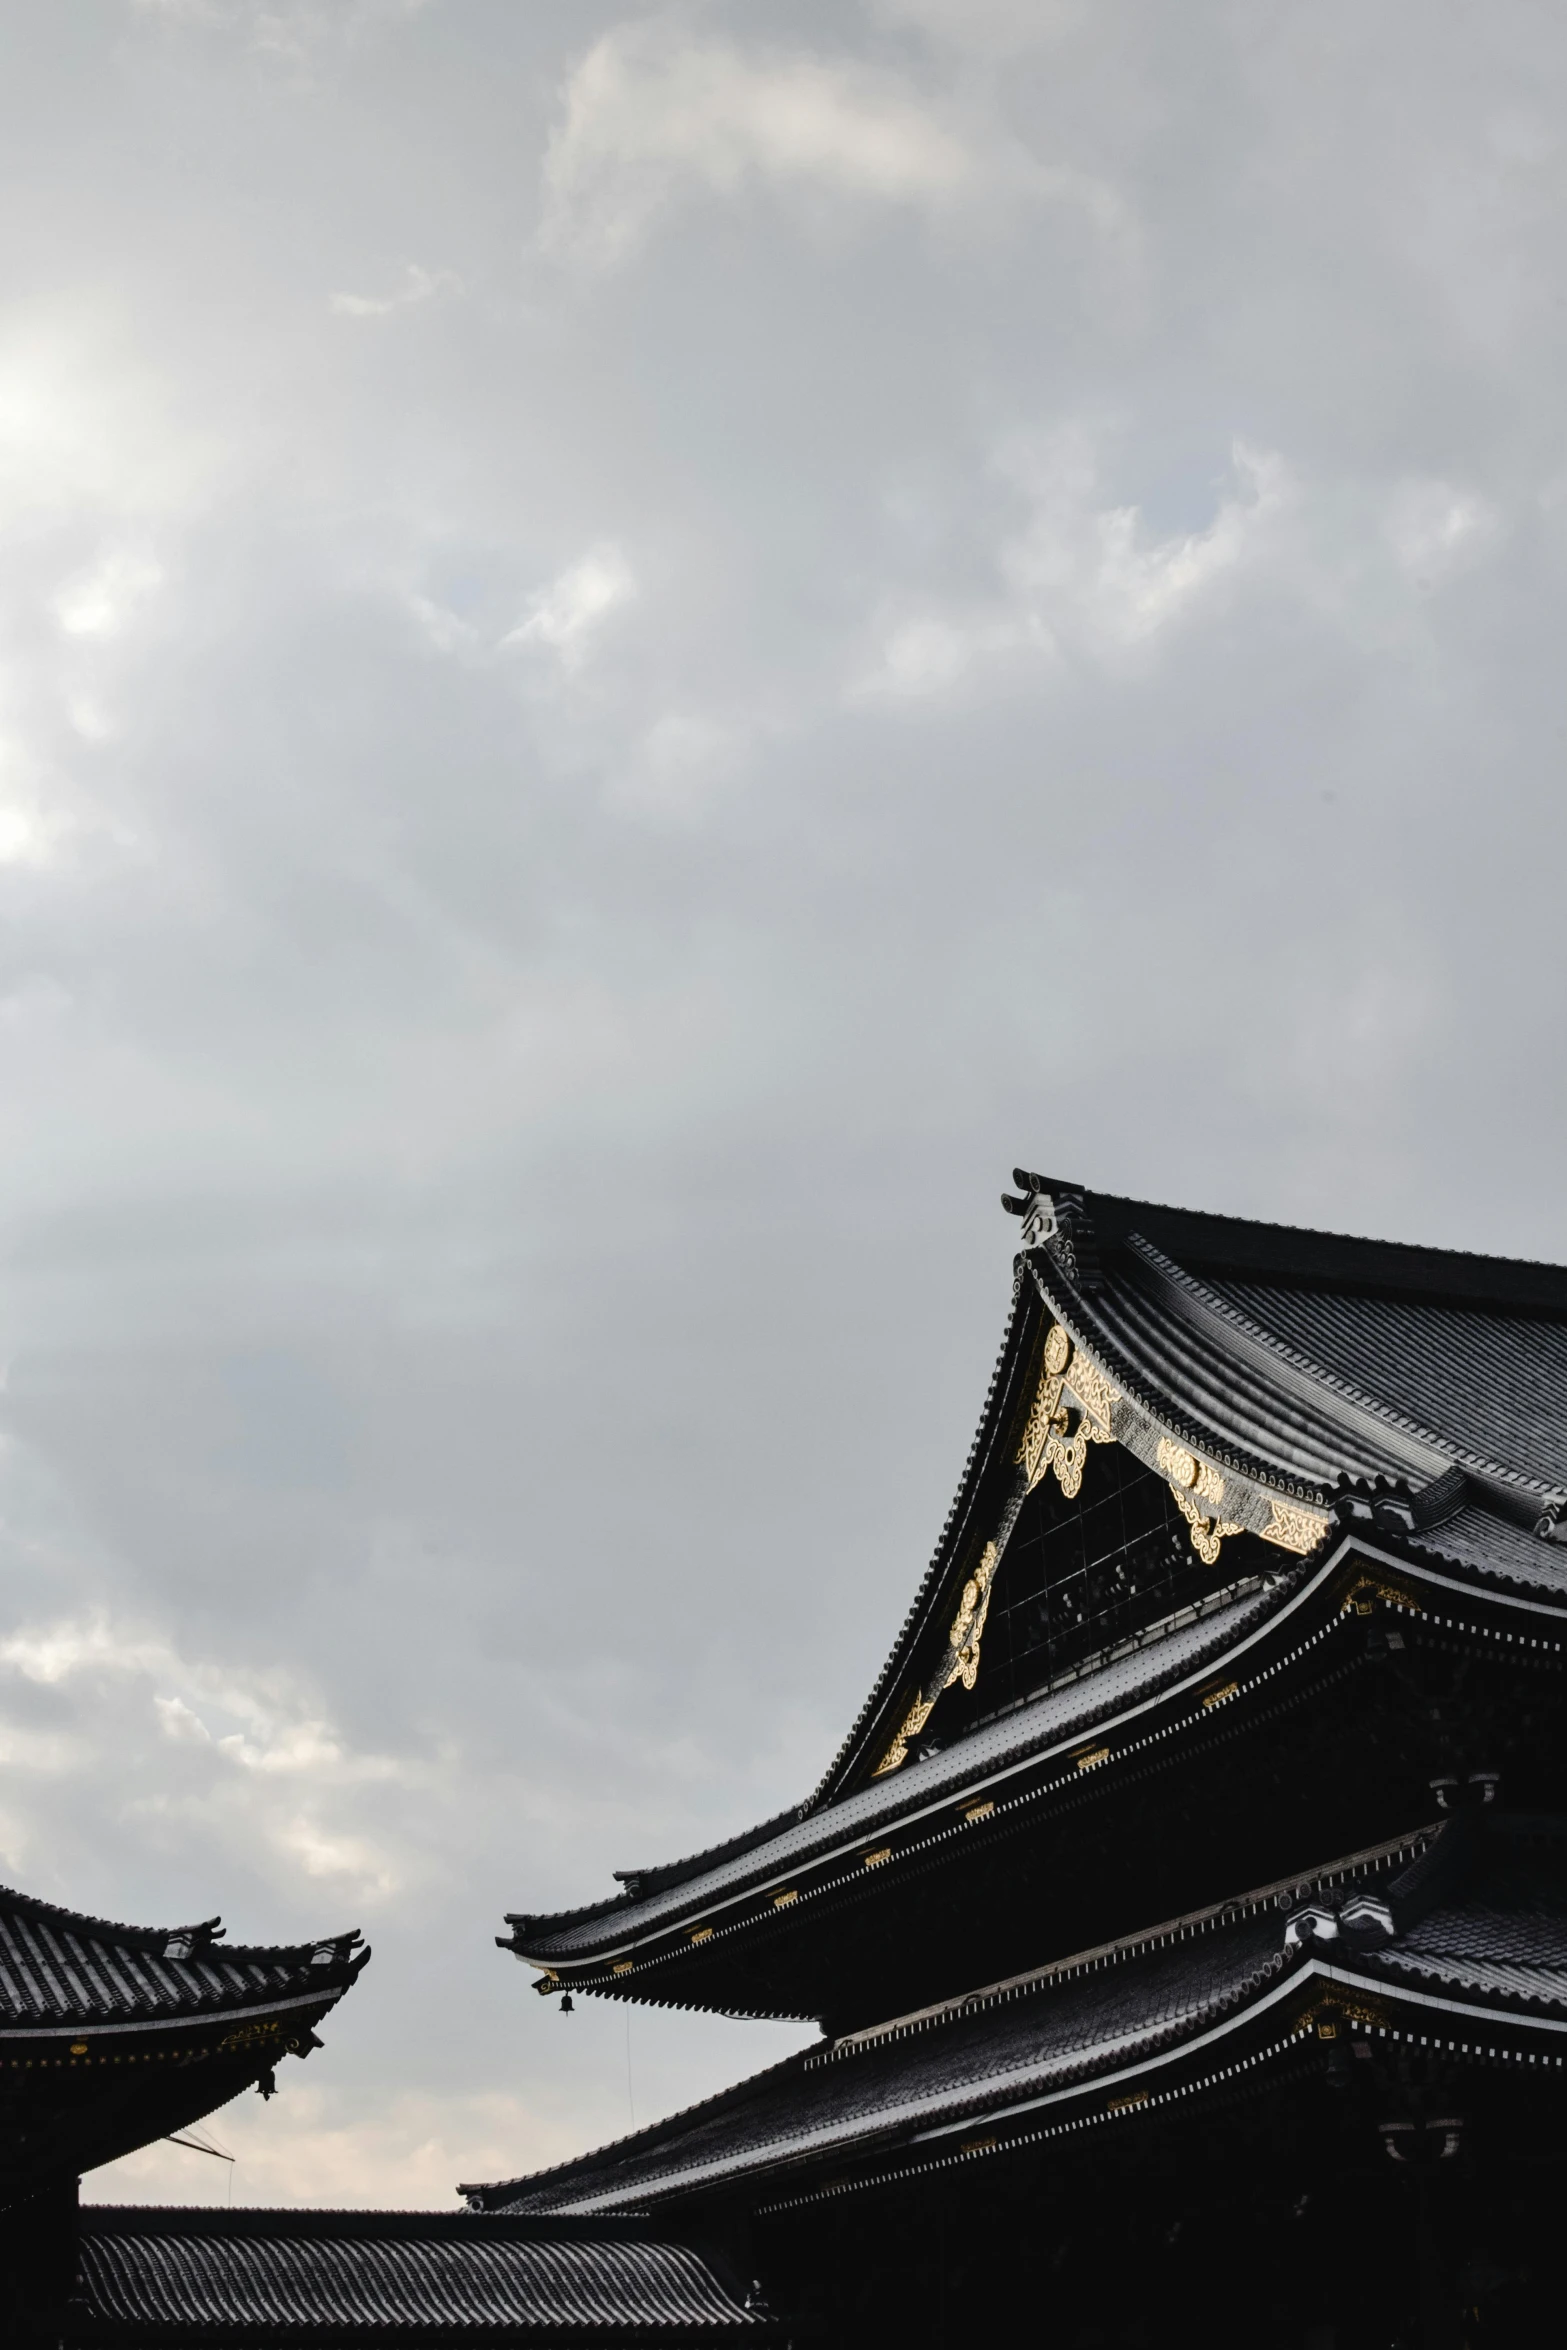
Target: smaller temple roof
(62,1973)
(112,2035)
(208,2278)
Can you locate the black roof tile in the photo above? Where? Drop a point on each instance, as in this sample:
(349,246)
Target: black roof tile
(1492,1382)
(61,1971)
(202,2276)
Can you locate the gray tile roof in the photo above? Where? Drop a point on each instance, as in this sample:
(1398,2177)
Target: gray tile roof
(815,2104)
(60,1971)
(1491,1382)
(199,2276)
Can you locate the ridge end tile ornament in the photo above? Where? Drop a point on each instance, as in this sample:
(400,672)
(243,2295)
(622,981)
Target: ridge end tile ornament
(1046,1443)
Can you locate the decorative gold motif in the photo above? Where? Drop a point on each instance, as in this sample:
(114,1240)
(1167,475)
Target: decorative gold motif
(1292,1528)
(701,1933)
(1325,2015)
(963,1641)
(1049,1442)
(622,1966)
(978,2145)
(1126,2104)
(873,1860)
(786,1898)
(249,2035)
(1095,1393)
(1366,1589)
(1221,1696)
(1194,1482)
(912,1724)
(1207,1533)
(1092,1757)
(968,1624)
(978,1811)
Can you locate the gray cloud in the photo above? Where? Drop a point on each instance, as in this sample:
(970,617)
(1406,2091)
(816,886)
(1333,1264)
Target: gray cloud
(637,649)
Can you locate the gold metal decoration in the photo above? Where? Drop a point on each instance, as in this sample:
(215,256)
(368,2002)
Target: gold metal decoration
(785,1899)
(1049,1440)
(912,1724)
(622,1966)
(1366,1589)
(978,1811)
(1096,1395)
(1221,1696)
(1092,1758)
(249,2035)
(968,1624)
(1342,2008)
(701,1933)
(873,1860)
(1194,1482)
(961,1663)
(1293,1528)
(1126,2104)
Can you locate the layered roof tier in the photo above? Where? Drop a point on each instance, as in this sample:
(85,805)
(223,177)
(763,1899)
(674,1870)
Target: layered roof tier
(1455,1941)
(1236,1492)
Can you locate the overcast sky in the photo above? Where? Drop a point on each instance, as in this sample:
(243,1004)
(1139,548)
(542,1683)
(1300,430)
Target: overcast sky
(637,648)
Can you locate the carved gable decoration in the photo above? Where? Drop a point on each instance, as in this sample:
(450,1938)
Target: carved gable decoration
(1050,1440)
(1076,1406)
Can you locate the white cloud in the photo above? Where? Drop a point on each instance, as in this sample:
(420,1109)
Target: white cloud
(418,285)
(88,432)
(1084,577)
(1082,566)
(99,601)
(652,112)
(683,761)
(564,617)
(286,1776)
(1436,530)
(25,838)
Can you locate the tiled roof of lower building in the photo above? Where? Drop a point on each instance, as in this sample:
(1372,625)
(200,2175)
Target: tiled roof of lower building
(209,2277)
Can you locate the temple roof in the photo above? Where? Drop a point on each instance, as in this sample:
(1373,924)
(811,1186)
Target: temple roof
(209,2277)
(1464,1924)
(62,1973)
(112,2036)
(1277,1387)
